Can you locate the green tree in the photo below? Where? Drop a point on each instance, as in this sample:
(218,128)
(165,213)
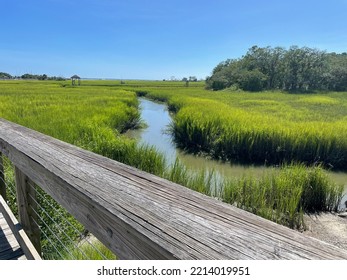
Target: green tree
(252,80)
(303,69)
(296,69)
(4,75)
(336,78)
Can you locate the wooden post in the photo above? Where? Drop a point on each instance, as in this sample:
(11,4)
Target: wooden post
(2,179)
(26,197)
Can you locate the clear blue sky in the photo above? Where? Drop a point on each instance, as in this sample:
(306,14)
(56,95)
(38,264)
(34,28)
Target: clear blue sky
(152,39)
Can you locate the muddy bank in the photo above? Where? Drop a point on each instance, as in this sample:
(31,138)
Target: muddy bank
(328,227)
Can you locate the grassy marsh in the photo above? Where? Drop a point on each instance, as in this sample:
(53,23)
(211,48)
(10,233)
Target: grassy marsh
(270,127)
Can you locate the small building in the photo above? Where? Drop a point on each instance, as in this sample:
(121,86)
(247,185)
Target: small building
(74,78)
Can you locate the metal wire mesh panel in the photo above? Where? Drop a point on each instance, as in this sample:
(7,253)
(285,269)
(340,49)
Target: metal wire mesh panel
(62,236)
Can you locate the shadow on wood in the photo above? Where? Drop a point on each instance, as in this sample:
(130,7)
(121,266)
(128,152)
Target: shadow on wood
(14,243)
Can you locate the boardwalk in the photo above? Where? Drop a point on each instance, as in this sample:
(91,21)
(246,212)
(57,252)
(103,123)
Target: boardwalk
(14,244)
(9,246)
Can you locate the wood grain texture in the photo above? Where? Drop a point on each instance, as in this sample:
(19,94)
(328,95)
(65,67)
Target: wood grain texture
(141,216)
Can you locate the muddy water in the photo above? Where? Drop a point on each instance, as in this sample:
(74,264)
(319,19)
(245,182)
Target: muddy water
(157,118)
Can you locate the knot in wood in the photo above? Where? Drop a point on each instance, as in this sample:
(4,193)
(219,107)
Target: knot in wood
(109,232)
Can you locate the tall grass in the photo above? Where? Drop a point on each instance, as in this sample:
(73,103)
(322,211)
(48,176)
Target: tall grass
(85,251)
(284,195)
(203,125)
(236,126)
(203,181)
(89,117)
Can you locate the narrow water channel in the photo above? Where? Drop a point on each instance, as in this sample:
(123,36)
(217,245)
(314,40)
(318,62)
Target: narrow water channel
(157,118)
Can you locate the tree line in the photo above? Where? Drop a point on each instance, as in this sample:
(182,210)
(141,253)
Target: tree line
(295,69)
(43,77)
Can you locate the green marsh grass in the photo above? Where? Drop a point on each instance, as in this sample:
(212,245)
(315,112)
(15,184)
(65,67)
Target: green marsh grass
(265,127)
(203,181)
(85,251)
(284,195)
(90,117)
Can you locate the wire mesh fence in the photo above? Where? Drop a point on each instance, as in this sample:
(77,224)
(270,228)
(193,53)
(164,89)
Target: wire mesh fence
(62,236)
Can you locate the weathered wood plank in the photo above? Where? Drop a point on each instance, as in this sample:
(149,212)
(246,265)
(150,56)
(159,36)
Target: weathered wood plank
(12,254)
(9,247)
(15,239)
(27,208)
(141,216)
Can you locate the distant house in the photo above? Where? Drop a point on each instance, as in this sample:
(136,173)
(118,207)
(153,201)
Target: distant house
(74,78)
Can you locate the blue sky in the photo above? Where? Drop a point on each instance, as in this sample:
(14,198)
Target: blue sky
(140,39)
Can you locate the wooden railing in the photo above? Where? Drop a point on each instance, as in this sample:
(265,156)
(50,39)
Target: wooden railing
(140,216)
